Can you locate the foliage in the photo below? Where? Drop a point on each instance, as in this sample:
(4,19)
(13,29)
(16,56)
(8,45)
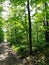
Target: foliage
(1,1)
(1,35)
(1,31)
(17,26)
(18,2)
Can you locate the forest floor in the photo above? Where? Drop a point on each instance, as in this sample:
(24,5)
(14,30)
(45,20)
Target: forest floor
(9,57)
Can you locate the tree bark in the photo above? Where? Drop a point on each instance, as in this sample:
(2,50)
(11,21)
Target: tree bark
(29,19)
(46,24)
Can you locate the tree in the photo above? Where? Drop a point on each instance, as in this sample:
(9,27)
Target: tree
(46,22)
(29,19)
(1,31)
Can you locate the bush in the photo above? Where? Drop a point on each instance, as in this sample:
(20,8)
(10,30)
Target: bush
(23,51)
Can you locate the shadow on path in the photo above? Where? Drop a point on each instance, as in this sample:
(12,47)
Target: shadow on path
(7,57)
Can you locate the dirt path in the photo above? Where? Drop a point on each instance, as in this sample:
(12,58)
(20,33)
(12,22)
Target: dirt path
(7,57)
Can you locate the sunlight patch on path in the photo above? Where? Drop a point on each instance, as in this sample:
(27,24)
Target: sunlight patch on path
(3,52)
(3,56)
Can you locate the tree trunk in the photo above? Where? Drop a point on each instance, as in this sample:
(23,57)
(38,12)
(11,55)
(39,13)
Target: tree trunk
(29,18)
(46,24)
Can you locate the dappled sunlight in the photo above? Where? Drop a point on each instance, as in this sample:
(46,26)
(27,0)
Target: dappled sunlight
(24,32)
(3,56)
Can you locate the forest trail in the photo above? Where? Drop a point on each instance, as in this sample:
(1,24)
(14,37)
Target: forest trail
(7,57)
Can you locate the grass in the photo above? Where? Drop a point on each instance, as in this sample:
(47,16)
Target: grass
(14,48)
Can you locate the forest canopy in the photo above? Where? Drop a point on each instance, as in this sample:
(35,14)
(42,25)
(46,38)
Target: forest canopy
(24,22)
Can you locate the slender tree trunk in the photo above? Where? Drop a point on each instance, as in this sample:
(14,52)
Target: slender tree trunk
(29,18)
(46,24)
(15,32)
(36,23)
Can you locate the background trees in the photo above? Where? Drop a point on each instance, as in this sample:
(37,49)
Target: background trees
(1,31)
(22,17)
